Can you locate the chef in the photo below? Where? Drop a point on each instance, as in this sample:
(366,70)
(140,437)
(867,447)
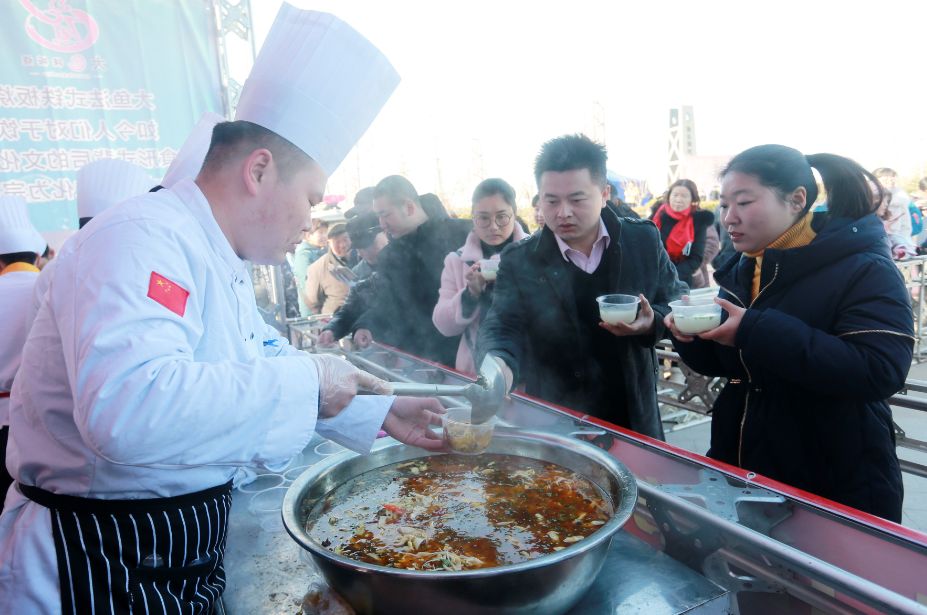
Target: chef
(100,185)
(20,247)
(159,380)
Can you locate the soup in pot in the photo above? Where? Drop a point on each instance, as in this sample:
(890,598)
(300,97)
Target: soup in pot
(458,512)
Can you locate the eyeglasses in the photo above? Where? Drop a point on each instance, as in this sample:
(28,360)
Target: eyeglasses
(484,220)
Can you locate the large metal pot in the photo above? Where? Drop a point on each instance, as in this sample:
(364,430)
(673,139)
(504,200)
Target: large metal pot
(549,584)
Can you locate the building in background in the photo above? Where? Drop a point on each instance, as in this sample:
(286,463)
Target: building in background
(684,162)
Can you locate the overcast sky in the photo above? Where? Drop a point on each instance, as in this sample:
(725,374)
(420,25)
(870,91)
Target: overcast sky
(485,83)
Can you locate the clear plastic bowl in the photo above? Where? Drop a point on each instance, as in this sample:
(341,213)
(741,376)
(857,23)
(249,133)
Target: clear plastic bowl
(488,268)
(327,448)
(294,473)
(696,316)
(262,482)
(267,506)
(464,437)
(614,309)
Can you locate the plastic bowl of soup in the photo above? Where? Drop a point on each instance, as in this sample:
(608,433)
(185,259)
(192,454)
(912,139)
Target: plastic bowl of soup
(465,437)
(614,309)
(489,267)
(696,316)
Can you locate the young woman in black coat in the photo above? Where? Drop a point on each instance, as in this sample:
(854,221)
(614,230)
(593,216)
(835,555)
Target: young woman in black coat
(818,331)
(683,229)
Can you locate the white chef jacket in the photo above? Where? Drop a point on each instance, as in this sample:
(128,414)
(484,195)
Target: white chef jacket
(135,400)
(15,299)
(39,290)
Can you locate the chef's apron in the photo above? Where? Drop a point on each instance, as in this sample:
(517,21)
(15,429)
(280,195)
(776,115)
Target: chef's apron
(160,555)
(5,479)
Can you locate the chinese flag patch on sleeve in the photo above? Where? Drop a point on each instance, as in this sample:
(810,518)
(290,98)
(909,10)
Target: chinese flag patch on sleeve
(168,293)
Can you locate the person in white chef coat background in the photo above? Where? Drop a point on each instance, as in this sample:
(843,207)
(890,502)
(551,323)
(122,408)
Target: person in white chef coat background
(107,182)
(189,159)
(159,380)
(20,248)
(100,185)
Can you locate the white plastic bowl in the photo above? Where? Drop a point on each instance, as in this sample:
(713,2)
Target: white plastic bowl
(488,268)
(618,308)
(698,316)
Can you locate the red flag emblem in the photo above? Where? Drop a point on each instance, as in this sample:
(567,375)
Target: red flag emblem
(168,293)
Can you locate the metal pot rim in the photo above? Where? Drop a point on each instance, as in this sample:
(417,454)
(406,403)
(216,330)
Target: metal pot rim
(624,510)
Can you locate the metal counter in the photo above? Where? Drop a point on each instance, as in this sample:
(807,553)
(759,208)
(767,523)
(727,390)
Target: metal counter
(774,548)
(268,572)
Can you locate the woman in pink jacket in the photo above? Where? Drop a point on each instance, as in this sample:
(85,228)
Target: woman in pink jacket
(465,294)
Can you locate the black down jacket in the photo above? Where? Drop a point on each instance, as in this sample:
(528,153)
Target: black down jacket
(409,277)
(827,340)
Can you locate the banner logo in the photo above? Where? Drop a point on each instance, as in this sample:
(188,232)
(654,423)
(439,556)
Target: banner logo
(60,27)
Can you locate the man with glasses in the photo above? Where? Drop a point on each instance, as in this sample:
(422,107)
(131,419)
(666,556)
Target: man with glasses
(409,270)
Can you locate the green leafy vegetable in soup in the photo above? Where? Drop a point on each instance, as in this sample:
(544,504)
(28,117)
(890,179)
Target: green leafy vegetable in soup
(457,512)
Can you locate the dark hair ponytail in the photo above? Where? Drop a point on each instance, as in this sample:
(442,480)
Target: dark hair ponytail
(848,192)
(784,169)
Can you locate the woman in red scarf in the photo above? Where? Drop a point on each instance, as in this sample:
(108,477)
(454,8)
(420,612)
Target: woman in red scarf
(683,229)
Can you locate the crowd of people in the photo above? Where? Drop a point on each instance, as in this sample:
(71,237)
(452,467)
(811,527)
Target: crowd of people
(817,330)
(138,377)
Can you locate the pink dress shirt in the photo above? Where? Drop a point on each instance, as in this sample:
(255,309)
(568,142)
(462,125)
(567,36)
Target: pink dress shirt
(591,262)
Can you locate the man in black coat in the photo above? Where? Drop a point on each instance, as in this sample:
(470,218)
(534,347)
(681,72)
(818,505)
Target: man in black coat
(545,319)
(409,270)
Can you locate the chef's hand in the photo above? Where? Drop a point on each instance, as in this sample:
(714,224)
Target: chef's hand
(409,419)
(363,338)
(339,381)
(326,338)
(476,283)
(642,325)
(726,333)
(678,335)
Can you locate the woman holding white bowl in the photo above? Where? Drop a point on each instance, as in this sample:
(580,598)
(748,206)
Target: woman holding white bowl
(466,293)
(817,335)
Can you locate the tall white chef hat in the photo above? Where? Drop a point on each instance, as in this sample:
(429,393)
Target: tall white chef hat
(105,182)
(16,231)
(189,159)
(317,83)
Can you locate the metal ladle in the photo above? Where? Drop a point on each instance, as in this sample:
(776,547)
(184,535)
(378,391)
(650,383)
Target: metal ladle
(485,395)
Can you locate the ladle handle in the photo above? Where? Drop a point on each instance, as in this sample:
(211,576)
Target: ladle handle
(419,389)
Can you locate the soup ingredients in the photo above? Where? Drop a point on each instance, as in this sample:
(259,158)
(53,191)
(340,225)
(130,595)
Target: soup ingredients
(467,437)
(457,512)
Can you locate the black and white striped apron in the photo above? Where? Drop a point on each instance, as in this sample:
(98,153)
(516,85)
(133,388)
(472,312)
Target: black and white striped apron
(5,479)
(161,555)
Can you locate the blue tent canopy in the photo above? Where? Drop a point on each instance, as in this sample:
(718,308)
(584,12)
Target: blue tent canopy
(629,189)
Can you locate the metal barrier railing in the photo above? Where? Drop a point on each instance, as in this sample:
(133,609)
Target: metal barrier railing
(915,277)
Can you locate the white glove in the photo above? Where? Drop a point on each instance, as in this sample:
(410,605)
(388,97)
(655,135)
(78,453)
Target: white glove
(339,381)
